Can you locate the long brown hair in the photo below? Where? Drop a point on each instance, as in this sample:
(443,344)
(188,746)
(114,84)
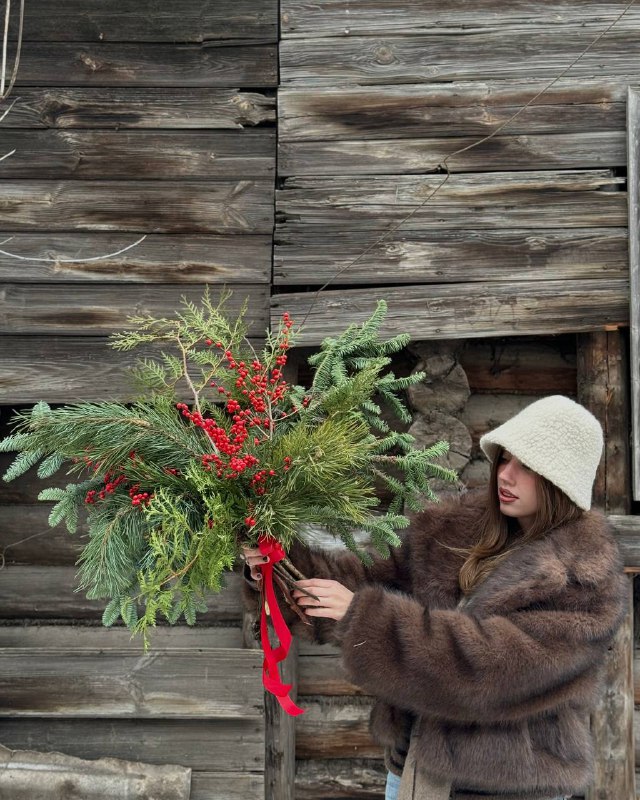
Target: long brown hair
(499,534)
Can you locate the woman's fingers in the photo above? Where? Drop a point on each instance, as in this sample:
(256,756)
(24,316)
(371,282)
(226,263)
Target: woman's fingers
(333,599)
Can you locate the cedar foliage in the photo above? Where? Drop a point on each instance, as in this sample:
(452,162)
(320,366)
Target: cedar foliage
(164,526)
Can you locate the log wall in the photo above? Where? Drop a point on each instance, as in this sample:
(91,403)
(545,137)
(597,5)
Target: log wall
(528,233)
(131,120)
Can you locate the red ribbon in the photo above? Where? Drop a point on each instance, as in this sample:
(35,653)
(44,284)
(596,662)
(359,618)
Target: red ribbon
(273,656)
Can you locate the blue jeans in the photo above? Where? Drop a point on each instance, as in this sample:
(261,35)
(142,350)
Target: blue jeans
(393,787)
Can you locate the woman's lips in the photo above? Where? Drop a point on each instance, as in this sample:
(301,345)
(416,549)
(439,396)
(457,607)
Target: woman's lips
(505,496)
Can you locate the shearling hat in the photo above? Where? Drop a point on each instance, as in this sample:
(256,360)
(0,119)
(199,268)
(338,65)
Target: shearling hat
(556,438)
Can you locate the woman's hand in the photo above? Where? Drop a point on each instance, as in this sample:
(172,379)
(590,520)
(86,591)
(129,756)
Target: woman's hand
(254,559)
(333,598)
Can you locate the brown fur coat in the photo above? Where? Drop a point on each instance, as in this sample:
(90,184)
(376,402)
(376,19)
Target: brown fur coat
(501,688)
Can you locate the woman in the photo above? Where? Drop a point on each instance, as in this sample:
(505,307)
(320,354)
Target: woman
(483,636)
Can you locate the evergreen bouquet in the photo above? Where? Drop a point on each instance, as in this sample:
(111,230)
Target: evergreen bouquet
(171,489)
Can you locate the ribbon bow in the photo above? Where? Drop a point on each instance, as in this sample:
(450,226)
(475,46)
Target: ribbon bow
(273,656)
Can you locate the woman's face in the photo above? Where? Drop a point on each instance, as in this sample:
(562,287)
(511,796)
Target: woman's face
(517,490)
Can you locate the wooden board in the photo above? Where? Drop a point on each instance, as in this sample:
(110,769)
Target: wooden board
(149,108)
(324,17)
(306,256)
(160,258)
(149,21)
(72,309)
(503,51)
(471,108)
(212,683)
(232,206)
(139,155)
(337,779)
(335,728)
(154,65)
(76,368)
(460,311)
(49,593)
(470,201)
(508,152)
(76,637)
(227,786)
(226,745)
(633,132)
(25,537)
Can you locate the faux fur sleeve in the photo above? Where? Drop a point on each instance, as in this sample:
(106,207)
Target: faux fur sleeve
(451,665)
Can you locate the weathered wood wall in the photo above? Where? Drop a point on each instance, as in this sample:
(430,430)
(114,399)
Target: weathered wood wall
(130,119)
(528,235)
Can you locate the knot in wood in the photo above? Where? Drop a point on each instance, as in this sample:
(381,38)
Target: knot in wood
(384,55)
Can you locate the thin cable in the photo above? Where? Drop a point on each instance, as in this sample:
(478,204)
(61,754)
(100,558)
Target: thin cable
(443,165)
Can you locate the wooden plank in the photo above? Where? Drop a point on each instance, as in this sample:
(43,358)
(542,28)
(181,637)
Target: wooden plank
(72,309)
(47,593)
(78,637)
(244,206)
(460,311)
(155,65)
(612,723)
(544,366)
(280,734)
(472,108)
(139,155)
(302,18)
(177,259)
(304,255)
(471,201)
(335,728)
(323,674)
(25,537)
(633,133)
(602,388)
(227,786)
(149,21)
(627,532)
(148,108)
(210,683)
(337,779)
(76,368)
(512,51)
(232,746)
(392,156)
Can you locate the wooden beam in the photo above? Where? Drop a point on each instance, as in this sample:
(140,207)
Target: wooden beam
(140,155)
(460,311)
(148,108)
(280,736)
(601,388)
(155,65)
(214,683)
(633,190)
(232,206)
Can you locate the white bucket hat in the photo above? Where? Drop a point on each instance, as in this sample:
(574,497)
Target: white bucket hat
(556,438)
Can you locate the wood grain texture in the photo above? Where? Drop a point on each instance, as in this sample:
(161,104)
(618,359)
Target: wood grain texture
(139,155)
(471,108)
(75,368)
(306,256)
(470,201)
(148,108)
(612,723)
(408,156)
(47,593)
(335,728)
(153,65)
(161,258)
(232,206)
(464,310)
(93,637)
(225,745)
(212,683)
(72,309)
(633,133)
(503,51)
(150,21)
(336,779)
(227,786)
(302,18)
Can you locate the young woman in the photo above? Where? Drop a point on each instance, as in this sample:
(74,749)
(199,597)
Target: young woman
(483,636)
